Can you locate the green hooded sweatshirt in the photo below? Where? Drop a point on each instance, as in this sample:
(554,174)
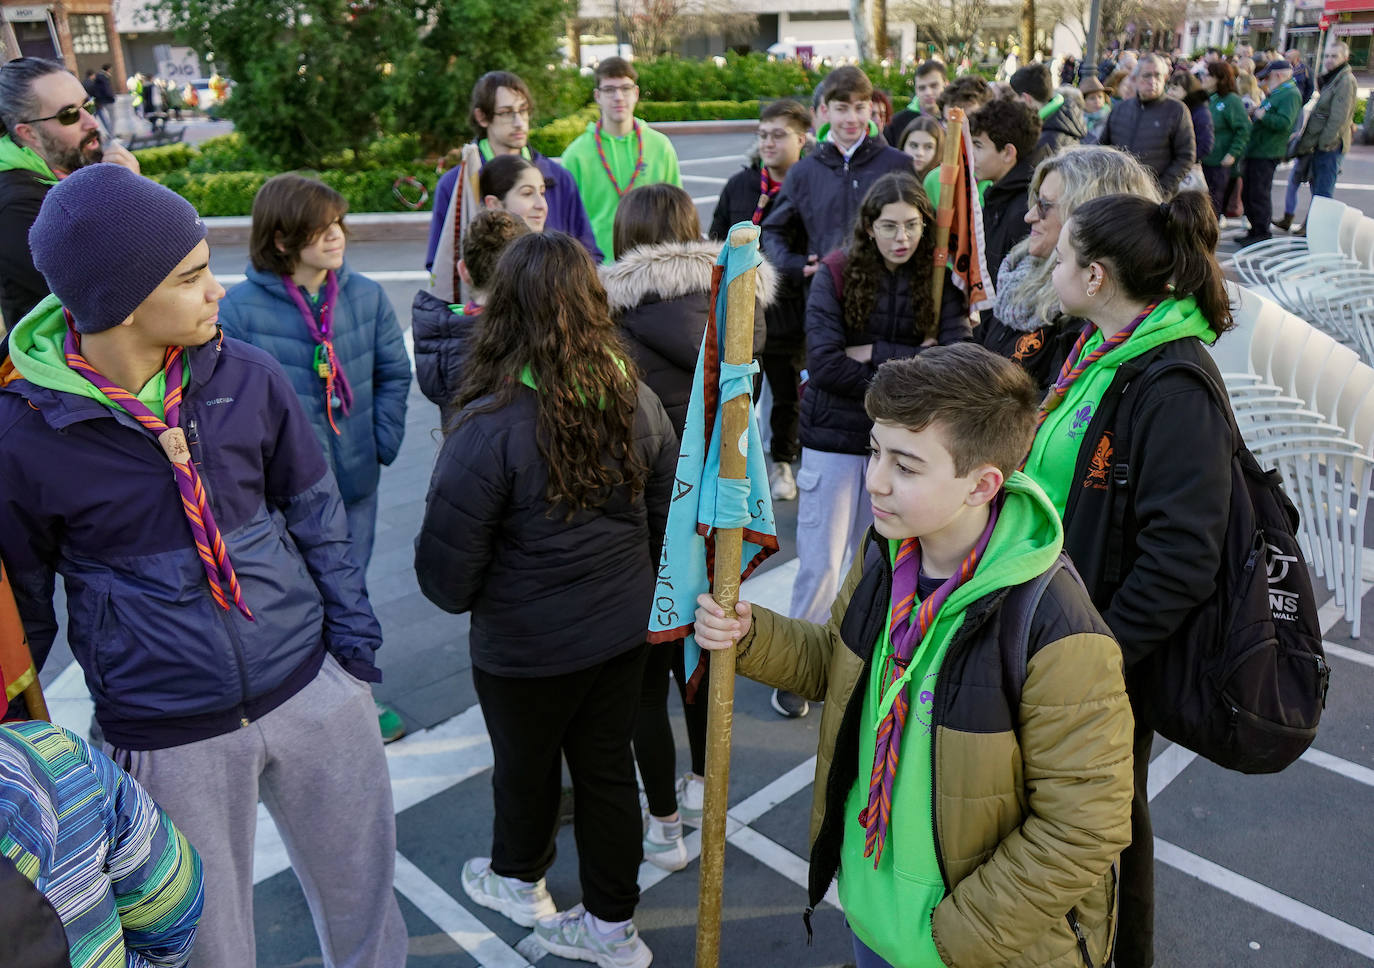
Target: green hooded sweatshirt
(890,908)
(15,156)
(599,196)
(36,348)
(1054,454)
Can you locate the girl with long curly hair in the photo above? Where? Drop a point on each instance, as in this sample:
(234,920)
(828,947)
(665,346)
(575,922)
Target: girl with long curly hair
(869,302)
(548,501)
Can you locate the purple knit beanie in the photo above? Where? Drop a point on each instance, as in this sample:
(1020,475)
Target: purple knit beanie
(105,238)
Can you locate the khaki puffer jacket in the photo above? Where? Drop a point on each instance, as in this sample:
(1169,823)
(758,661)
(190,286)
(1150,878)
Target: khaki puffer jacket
(1033,798)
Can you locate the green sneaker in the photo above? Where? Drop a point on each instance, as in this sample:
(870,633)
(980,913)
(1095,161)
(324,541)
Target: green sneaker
(392,726)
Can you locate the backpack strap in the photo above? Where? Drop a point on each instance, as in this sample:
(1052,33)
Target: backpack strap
(1018,609)
(836,262)
(1121,470)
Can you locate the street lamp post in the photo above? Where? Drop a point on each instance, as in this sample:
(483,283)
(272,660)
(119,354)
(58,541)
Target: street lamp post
(619,42)
(1089,66)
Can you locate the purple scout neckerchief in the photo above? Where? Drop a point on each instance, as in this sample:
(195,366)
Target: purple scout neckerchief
(906,636)
(326,360)
(209,541)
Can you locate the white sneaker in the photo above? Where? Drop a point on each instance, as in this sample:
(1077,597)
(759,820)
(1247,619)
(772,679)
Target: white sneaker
(663,846)
(522,902)
(781,482)
(691,798)
(571,934)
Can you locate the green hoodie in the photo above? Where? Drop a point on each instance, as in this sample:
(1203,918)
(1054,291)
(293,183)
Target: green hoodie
(15,156)
(36,347)
(1054,454)
(890,908)
(599,196)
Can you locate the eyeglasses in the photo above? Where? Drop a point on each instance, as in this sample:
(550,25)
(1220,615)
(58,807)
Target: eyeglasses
(68,115)
(780,135)
(889,231)
(509,114)
(623,90)
(1044,207)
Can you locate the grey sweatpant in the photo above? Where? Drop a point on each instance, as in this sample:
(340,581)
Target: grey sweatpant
(832,515)
(317,763)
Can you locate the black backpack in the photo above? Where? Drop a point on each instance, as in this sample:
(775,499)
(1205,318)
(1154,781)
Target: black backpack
(1244,681)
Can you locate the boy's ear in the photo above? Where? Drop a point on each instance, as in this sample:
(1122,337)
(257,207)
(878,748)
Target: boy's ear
(277,241)
(1008,153)
(987,482)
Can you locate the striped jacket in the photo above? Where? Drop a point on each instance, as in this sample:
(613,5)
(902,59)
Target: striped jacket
(124,881)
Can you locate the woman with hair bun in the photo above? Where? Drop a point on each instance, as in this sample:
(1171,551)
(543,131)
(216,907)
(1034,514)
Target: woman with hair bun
(1145,277)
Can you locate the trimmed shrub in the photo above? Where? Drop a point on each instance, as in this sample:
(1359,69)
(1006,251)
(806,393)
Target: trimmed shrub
(231,192)
(551,139)
(653,111)
(157,161)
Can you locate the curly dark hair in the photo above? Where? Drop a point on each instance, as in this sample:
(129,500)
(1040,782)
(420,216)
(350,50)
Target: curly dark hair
(547,311)
(864,264)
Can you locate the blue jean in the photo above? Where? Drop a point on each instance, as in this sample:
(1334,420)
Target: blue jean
(1326,167)
(362,528)
(866,957)
(1290,195)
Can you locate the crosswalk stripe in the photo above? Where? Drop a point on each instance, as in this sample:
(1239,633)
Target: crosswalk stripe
(456,921)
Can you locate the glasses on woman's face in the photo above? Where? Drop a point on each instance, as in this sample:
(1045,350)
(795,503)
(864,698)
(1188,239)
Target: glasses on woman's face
(1043,207)
(69,115)
(891,231)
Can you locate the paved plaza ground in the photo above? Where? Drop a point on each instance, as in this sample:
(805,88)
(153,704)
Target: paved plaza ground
(1269,872)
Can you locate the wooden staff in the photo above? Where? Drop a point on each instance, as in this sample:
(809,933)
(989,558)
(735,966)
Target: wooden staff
(720,710)
(944,215)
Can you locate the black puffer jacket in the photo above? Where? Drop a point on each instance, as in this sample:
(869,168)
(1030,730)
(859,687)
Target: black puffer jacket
(441,347)
(787,315)
(1159,133)
(1038,351)
(547,595)
(660,295)
(1004,215)
(21,285)
(1062,129)
(814,213)
(832,408)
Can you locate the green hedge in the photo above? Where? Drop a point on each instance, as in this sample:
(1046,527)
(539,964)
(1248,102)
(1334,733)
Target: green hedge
(551,139)
(231,192)
(653,111)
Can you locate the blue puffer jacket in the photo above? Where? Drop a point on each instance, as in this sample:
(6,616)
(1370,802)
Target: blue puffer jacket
(86,492)
(369,344)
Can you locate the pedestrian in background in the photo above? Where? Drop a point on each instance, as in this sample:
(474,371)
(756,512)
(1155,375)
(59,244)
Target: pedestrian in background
(617,152)
(551,541)
(1326,138)
(931,77)
(1156,129)
(335,334)
(1230,131)
(1271,129)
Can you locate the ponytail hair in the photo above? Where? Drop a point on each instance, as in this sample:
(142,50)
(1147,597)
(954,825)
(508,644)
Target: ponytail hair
(1157,251)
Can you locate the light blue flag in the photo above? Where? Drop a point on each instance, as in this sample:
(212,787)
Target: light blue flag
(702,502)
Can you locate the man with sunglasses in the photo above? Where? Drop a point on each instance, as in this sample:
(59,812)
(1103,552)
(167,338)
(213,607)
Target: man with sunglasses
(500,117)
(49,131)
(617,152)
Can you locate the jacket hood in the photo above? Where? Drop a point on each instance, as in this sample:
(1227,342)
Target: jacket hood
(15,156)
(38,353)
(671,270)
(1067,120)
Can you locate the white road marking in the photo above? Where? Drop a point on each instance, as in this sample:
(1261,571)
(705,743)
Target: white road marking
(1353,771)
(709,179)
(713,160)
(1166,767)
(704,199)
(1265,898)
(1347,653)
(453,919)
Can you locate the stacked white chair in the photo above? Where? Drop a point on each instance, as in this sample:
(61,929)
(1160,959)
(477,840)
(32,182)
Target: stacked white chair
(1305,406)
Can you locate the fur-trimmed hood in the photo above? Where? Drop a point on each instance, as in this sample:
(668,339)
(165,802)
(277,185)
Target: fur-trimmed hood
(671,270)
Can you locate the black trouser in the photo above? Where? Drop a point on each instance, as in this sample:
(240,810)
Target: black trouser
(587,716)
(655,749)
(1258,194)
(783,372)
(1135,936)
(1217,180)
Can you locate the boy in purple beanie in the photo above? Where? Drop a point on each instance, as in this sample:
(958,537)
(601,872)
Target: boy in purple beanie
(170,476)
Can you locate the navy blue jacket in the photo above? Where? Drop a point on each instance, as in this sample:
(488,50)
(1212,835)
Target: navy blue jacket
(369,344)
(441,348)
(87,493)
(814,212)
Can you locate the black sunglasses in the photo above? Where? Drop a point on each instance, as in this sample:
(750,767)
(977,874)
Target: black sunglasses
(68,115)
